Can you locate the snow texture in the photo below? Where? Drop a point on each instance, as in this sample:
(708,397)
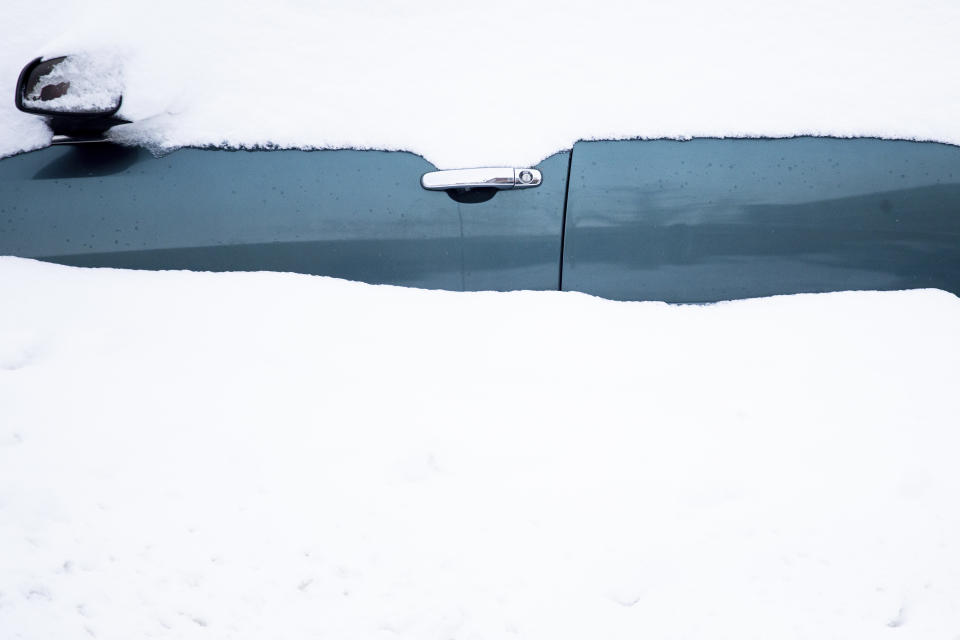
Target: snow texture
(93,84)
(261,455)
(500,83)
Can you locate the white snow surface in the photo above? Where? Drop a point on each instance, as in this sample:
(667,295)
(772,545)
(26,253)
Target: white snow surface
(261,455)
(497,82)
(94,81)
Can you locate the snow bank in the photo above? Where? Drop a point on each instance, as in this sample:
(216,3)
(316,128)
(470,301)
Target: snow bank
(499,82)
(189,455)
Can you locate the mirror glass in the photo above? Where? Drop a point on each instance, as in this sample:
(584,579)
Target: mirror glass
(72,84)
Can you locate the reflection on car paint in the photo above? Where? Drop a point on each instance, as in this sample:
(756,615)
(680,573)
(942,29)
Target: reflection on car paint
(360,215)
(711,219)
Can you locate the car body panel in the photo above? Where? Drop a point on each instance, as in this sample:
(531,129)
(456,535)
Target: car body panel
(360,215)
(717,219)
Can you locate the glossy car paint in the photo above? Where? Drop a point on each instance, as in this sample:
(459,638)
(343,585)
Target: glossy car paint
(716,219)
(692,221)
(360,215)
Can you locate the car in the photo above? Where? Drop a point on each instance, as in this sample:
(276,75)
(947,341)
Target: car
(688,221)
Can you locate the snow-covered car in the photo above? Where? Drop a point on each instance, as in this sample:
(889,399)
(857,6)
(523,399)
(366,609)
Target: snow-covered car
(683,221)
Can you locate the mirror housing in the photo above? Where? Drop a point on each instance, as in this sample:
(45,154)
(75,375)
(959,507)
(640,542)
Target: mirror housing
(76,104)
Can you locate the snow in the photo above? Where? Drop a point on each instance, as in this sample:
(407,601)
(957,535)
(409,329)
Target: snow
(92,84)
(262,455)
(499,83)
(256,455)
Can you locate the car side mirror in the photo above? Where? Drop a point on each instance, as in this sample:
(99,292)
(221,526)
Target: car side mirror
(79,99)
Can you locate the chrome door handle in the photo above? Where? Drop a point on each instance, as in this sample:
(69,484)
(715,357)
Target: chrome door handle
(496,177)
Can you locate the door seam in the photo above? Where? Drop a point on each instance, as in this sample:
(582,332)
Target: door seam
(563,219)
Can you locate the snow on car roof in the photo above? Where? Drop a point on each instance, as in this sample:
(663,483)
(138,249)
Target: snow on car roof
(502,82)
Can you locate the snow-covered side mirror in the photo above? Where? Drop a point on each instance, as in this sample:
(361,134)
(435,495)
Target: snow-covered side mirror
(79,94)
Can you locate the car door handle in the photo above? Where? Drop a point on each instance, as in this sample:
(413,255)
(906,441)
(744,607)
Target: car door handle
(495,177)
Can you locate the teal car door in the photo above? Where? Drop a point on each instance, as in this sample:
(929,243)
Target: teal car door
(360,215)
(716,219)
